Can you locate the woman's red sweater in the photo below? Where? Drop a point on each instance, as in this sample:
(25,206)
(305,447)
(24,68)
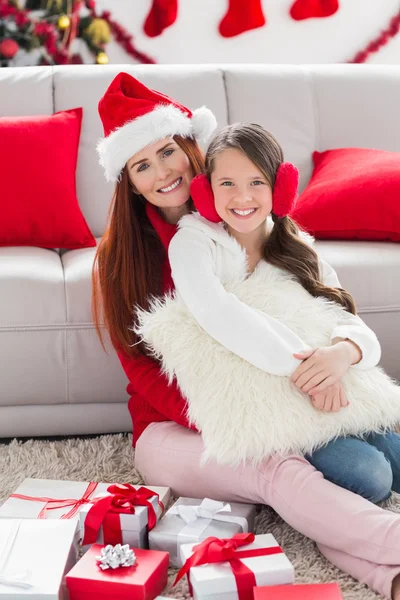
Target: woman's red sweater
(152,398)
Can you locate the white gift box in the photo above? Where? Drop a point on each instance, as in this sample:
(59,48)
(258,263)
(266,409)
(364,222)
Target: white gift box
(35,556)
(217,582)
(134,526)
(191,520)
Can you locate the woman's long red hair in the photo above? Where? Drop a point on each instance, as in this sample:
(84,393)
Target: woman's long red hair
(127,268)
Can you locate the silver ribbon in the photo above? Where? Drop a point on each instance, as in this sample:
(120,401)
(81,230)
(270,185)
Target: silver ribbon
(198,517)
(13,578)
(113,557)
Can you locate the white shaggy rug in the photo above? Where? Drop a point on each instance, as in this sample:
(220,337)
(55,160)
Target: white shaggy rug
(109,458)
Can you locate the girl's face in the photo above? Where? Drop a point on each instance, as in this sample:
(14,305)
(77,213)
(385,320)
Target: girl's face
(162,173)
(243,196)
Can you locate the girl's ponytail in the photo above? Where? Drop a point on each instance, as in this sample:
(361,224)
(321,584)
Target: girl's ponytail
(286,250)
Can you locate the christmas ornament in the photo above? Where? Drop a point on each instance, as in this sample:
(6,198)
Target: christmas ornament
(125,39)
(99,31)
(242,15)
(8,48)
(102,58)
(113,557)
(308,9)
(383,38)
(162,14)
(63,22)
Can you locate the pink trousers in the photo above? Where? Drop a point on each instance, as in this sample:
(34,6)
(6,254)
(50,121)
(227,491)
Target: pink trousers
(354,534)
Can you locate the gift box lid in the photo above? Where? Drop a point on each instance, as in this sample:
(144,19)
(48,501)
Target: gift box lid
(143,581)
(215,578)
(129,522)
(40,553)
(316,591)
(59,489)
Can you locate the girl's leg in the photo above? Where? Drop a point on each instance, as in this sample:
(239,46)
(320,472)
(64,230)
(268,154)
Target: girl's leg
(389,445)
(356,465)
(168,454)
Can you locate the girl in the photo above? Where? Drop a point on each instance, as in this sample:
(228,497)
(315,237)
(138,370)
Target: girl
(252,288)
(144,152)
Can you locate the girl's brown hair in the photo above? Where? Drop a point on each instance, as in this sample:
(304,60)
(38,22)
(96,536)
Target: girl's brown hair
(128,265)
(283,248)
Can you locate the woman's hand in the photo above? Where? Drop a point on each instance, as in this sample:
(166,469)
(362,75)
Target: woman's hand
(332,399)
(323,367)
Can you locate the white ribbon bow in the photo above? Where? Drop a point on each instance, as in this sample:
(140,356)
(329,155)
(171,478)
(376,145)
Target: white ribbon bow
(208,509)
(10,578)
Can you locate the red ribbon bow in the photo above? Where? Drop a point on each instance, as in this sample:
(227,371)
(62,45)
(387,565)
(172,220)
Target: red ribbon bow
(215,550)
(105,512)
(53,503)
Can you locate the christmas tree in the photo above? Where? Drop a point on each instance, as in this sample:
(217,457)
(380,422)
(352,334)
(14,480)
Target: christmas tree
(51,28)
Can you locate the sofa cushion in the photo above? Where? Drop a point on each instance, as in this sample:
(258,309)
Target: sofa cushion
(368,271)
(32,327)
(38,205)
(353,194)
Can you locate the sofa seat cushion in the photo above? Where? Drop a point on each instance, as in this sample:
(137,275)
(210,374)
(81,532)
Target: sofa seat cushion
(368,270)
(31,288)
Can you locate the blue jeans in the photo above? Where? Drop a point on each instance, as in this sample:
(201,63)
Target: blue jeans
(368,466)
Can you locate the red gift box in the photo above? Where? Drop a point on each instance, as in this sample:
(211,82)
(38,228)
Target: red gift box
(143,581)
(318,591)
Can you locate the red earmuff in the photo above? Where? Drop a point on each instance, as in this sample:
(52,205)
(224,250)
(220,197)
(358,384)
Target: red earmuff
(283,198)
(285,190)
(203,198)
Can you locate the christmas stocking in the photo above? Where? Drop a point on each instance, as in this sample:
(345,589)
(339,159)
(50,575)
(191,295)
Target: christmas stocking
(162,14)
(307,9)
(242,15)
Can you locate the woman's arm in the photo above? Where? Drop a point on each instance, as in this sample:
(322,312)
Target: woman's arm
(148,381)
(251,334)
(352,327)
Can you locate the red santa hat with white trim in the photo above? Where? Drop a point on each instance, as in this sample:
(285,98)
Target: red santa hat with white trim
(135,116)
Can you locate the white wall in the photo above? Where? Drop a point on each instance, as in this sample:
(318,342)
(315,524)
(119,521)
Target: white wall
(194,38)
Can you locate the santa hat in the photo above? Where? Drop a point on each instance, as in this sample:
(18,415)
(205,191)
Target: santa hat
(135,116)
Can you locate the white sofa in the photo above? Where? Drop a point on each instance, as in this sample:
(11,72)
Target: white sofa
(54,375)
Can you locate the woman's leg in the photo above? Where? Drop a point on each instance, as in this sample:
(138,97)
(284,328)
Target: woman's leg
(167,454)
(389,445)
(356,465)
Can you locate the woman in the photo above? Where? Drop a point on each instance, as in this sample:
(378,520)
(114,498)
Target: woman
(150,150)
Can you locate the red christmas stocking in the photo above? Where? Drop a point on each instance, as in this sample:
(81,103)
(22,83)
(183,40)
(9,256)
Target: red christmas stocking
(307,9)
(242,15)
(162,14)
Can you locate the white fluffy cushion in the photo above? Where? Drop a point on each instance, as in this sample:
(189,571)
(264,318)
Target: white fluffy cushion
(245,413)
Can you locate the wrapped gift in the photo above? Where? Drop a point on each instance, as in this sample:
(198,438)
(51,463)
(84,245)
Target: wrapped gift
(35,556)
(317,591)
(125,521)
(144,580)
(191,520)
(231,568)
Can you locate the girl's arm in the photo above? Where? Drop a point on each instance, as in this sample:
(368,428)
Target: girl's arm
(352,327)
(254,336)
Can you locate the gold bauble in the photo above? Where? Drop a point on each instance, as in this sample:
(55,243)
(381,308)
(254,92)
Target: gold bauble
(98,31)
(102,58)
(63,22)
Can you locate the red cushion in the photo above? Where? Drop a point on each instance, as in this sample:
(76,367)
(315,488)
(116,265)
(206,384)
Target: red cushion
(38,203)
(354,193)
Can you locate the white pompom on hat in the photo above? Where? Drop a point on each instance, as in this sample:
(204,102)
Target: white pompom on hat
(135,116)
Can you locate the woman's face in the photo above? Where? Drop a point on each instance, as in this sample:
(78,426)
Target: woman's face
(162,173)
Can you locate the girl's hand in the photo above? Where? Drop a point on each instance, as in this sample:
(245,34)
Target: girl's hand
(323,367)
(331,400)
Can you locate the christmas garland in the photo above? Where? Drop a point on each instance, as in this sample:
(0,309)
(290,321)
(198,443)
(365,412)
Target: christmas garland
(383,38)
(52,26)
